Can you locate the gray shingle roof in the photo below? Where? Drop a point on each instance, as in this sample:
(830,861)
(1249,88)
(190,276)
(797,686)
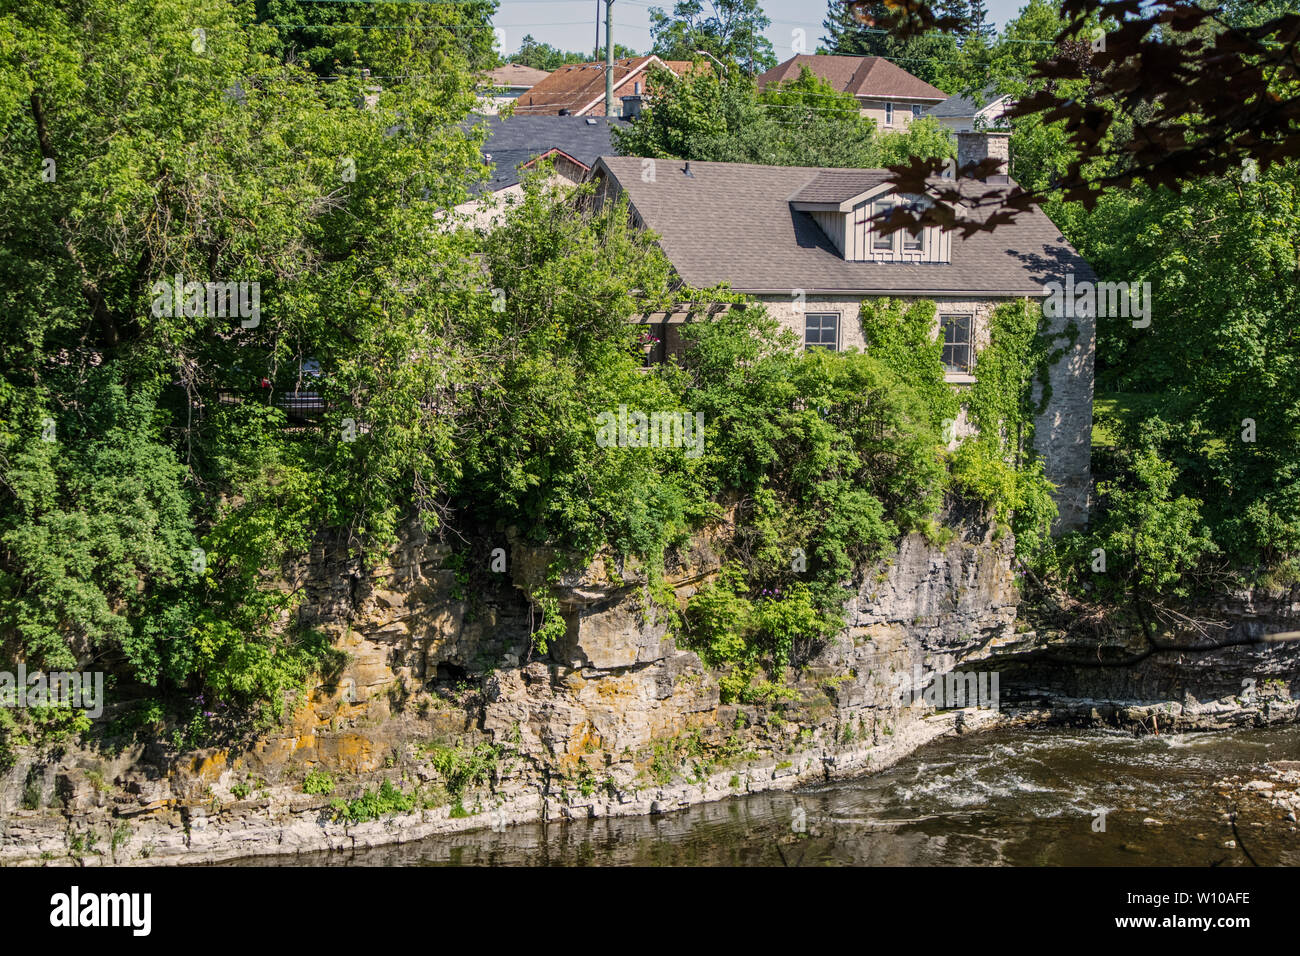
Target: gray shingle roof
(732,223)
(963,105)
(837,185)
(515,76)
(517,139)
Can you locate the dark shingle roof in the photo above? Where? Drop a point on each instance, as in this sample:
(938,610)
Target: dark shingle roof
(517,139)
(963,105)
(732,223)
(859,75)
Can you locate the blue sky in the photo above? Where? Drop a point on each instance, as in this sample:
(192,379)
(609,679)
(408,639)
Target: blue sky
(571,24)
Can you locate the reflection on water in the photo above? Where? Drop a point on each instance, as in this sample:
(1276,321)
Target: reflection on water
(1022,797)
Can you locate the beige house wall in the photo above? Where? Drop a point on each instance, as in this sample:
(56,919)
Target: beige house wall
(987,118)
(1063,432)
(956,124)
(875,109)
(790,313)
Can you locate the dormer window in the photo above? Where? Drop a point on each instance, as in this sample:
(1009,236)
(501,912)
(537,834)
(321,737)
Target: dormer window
(879,241)
(850,205)
(921,244)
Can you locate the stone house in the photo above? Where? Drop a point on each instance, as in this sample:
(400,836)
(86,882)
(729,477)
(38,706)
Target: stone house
(799,240)
(885,92)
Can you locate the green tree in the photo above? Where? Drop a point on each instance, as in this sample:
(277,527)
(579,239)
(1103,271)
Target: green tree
(977,22)
(935,56)
(1026,40)
(333,37)
(1221,248)
(731,30)
(540,56)
(149,139)
(851,29)
(543,56)
(804,122)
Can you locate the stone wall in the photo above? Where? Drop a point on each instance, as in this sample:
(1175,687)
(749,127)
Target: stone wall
(1063,432)
(791,316)
(1204,666)
(618,718)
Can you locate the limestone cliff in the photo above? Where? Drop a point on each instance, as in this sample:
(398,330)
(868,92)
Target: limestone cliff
(445,699)
(444,696)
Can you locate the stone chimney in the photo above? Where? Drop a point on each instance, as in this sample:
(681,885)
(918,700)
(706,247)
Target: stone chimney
(978,145)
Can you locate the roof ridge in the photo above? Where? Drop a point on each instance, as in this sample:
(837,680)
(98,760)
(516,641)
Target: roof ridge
(716,162)
(861,74)
(815,169)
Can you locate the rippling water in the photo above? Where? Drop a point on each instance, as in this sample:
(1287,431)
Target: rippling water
(1020,797)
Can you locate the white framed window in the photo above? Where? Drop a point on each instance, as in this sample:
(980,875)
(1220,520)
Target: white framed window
(956,332)
(913,240)
(889,114)
(821,330)
(880,242)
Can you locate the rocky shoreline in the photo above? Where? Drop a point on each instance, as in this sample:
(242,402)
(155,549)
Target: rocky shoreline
(443,720)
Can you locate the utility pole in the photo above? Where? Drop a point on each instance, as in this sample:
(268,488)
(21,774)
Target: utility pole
(596,54)
(609,58)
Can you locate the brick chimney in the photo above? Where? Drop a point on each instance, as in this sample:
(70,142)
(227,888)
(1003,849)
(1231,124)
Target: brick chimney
(978,145)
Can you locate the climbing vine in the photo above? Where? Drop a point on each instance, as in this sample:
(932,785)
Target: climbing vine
(900,335)
(549,626)
(998,464)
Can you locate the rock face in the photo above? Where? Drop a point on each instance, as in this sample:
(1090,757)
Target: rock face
(442,676)
(447,717)
(1205,667)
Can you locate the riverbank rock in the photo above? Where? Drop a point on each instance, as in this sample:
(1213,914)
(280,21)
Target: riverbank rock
(447,717)
(445,698)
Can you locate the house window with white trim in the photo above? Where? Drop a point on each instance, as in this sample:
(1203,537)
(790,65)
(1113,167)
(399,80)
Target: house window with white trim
(956,330)
(913,240)
(889,114)
(821,330)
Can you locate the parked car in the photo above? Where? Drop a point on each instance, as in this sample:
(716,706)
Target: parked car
(304,402)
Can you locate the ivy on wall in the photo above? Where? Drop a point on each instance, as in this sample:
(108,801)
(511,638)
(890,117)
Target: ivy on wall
(996,465)
(900,335)
(999,464)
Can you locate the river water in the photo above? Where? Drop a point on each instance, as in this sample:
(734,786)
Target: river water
(1015,797)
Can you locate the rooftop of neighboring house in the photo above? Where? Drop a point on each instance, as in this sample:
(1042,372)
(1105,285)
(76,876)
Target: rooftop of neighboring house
(863,76)
(579,87)
(960,104)
(738,223)
(516,140)
(515,76)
